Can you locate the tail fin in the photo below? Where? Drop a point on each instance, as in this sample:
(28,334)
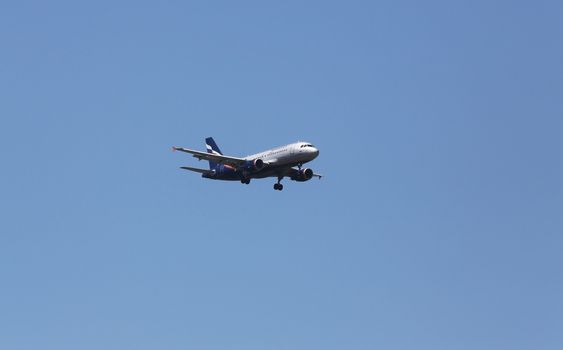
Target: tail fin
(212,148)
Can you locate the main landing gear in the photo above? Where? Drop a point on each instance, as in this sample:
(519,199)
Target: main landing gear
(278,186)
(245,181)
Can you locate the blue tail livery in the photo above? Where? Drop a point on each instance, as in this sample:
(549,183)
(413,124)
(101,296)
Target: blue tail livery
(213,149)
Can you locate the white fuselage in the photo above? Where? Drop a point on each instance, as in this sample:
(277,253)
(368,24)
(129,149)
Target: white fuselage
(292,154)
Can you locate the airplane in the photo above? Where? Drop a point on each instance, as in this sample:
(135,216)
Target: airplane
(277,162)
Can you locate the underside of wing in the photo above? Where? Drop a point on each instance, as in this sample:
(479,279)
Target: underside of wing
(217,158)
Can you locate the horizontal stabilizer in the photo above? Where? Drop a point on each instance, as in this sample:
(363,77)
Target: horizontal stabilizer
(197,170)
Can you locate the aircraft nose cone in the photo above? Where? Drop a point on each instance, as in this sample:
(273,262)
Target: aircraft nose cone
(314,152)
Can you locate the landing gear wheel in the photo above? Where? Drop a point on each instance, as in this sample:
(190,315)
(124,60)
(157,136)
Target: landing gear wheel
(243,181)
(278,186)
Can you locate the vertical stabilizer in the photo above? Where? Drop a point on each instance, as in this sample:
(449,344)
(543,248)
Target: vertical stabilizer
(212,148)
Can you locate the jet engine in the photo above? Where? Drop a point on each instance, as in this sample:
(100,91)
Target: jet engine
(303,175)
(254,165)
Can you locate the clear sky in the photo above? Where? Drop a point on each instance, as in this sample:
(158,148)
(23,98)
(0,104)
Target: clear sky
(438,224)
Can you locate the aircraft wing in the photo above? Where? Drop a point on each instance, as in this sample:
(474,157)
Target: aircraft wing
(217,158)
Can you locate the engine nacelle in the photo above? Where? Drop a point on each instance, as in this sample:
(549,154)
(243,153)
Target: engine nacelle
(303,175)
(254,165)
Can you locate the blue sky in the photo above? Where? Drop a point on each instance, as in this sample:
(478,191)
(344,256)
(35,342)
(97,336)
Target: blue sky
(437,225)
